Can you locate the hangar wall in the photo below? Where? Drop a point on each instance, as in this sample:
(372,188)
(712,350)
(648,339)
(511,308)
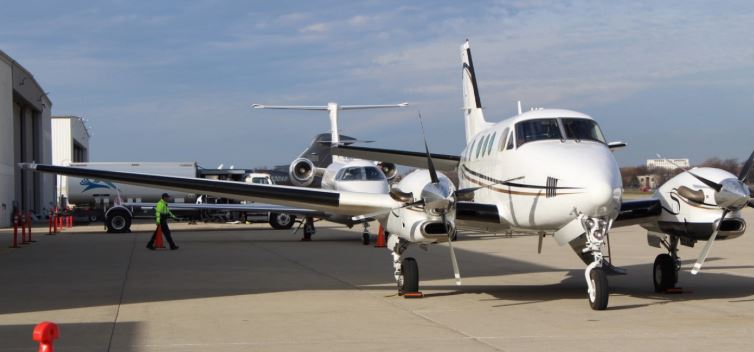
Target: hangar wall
(25,136)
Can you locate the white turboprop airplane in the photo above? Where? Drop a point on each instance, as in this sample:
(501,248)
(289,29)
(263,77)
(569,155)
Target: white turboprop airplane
(547,172)
(337,173)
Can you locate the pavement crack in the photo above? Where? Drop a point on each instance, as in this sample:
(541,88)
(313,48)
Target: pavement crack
(122,292)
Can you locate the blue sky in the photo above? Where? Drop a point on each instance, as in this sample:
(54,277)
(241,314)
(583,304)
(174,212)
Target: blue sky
(173,81)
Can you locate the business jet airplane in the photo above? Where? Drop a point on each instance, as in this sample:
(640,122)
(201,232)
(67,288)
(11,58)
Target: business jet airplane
(336,172)
(547,172)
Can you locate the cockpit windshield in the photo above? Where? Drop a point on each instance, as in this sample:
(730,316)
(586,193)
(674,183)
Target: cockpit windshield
(582,129)
(537,130)
(360,173)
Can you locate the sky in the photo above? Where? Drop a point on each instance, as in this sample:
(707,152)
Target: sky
(174,80)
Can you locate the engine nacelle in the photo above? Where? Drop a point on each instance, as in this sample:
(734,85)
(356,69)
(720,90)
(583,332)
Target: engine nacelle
(690,209)
(415,223)
(302,172)
(389,170)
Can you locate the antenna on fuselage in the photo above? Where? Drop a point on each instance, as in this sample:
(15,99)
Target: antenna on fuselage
(519,107)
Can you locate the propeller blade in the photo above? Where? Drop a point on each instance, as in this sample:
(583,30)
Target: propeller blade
(714,185)
(456,272)
(430,164)
(746,169)
(708,246)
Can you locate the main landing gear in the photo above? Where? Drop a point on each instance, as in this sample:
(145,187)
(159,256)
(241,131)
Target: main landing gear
(365,235)
(309,229)
(406,270)
(666,267)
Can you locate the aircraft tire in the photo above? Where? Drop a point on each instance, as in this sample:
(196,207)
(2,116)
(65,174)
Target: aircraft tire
(118,221)
(664,274)
(598,300)
(410,272)
(365,239)
(282,221)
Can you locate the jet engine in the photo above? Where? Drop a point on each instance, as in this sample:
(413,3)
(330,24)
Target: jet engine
(302,172)
(388,169)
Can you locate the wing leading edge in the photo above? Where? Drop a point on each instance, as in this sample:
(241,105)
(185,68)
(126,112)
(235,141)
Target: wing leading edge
(346,203)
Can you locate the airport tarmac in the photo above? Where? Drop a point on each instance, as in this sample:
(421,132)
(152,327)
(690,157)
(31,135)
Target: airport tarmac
(246,287)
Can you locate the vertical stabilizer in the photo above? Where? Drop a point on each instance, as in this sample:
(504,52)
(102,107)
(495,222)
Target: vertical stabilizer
(472,103)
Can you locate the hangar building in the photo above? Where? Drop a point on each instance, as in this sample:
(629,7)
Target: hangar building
(70,144)
(25,136)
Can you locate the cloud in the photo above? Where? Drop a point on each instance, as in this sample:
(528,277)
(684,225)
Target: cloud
(319,27)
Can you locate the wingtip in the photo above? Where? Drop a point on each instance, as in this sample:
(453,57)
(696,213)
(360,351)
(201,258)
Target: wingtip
(27,166)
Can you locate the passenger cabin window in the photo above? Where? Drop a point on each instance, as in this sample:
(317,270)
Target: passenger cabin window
(537,130)
(492,142)
(479,147)
(582,129)
(503,139)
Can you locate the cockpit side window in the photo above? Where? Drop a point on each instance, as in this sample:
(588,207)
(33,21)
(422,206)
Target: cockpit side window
(537,130)
(510,141)
(582,129)
(373,174)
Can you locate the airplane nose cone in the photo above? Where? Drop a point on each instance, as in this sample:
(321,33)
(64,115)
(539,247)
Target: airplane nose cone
(603,199)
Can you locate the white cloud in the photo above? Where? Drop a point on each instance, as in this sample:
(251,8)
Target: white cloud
(319,27)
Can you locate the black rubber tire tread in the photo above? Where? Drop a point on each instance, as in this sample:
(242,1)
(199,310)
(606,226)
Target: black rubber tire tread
(112,216)
(410,270)
(668,274)
(602,290)
(280,226)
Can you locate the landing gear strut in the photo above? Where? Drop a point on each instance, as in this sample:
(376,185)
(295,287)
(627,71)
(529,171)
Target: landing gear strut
(406,269)
(365,236)
(666,267)
(309,229)
(596,278)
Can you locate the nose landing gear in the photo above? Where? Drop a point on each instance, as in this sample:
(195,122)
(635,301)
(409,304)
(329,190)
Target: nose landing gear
(596,278)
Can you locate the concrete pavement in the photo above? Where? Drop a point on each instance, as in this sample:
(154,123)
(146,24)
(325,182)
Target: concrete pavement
(246,287)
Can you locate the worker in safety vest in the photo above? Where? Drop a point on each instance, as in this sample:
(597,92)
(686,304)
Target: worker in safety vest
(162,214)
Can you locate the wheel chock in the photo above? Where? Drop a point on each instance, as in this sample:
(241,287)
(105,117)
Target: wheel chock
(676,290)
(413,295)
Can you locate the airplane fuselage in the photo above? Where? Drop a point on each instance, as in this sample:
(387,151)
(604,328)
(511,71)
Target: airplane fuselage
(541,178)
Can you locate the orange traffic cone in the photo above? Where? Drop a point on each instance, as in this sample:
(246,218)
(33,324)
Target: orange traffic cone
(381,242)
(158,243)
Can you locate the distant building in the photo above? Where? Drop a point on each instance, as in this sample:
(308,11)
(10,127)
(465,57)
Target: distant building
(666,163)
(70,144)
(24,137)
(648,182)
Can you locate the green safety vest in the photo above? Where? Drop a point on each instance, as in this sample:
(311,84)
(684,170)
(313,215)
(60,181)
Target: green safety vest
(161,209)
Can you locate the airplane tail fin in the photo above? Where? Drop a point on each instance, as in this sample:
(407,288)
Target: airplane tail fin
(472,103)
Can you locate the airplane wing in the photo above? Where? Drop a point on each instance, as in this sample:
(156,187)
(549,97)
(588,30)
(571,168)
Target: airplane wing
(442,162)
(639,211)
(345,203)
(254,207)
